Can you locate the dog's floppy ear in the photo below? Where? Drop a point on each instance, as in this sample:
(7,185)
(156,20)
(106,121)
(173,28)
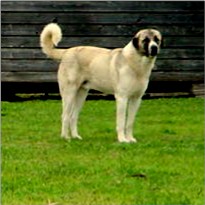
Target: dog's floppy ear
(135,42)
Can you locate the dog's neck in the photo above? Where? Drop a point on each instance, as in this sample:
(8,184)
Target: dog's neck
(142,64)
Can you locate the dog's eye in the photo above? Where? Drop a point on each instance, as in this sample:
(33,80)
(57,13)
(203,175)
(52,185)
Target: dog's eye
(156,39)
(146,40)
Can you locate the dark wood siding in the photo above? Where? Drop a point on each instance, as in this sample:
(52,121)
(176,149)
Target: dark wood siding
(111,24)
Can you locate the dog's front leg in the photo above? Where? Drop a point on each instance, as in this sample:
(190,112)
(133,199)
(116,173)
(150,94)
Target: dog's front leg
(133,106)
(121,117)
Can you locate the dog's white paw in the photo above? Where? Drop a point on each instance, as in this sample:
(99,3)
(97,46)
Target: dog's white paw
(127,140)
(66,138)
(77,137)
(131,139)
(123,140)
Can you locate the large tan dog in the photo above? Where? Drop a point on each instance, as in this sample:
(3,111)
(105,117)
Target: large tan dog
(123,72)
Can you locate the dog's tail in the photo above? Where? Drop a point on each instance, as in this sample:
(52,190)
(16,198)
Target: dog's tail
(50,37)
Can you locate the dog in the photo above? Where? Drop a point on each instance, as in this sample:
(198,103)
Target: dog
(123,72)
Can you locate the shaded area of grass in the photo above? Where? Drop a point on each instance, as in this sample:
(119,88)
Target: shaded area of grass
(166,166)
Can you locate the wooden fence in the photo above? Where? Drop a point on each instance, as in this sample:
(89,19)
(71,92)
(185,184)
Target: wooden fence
(179,68)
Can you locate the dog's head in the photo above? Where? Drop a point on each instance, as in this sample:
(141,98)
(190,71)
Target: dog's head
(148,42)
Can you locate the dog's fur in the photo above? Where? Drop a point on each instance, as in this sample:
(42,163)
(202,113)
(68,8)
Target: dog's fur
(123,72)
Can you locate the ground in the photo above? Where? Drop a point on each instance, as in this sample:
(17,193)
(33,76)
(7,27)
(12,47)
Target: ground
(166,166)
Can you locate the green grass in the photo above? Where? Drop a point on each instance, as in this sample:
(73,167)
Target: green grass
(165,167)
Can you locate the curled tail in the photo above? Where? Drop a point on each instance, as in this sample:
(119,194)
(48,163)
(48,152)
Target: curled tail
(50,37)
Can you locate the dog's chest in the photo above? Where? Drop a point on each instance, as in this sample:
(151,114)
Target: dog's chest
(133,83)
(134,86)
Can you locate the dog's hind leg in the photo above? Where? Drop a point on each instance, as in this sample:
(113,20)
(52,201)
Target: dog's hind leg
(68,100)
(79,100)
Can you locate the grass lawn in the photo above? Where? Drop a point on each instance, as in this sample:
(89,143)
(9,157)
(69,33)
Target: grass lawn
(165,167)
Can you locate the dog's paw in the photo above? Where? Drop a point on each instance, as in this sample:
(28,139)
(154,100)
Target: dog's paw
(131,139)
(66,138)
(123,140)
(77,137)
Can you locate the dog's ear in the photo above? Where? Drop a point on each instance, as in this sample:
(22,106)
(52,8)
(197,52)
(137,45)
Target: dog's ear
(55,20)
(135,42)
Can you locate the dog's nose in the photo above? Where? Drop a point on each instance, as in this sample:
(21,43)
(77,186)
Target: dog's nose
(154,50)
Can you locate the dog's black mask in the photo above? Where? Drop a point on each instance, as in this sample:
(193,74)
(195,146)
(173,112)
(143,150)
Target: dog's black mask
(144,50)
(135,42)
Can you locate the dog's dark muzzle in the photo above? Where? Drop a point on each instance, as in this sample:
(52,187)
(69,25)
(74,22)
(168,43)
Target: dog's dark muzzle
(153,50)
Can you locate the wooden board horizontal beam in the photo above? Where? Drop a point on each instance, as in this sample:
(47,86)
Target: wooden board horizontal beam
(109,42)
(36,54)
(190,77)
(50,65)
(41,77)
(99,30)
(103,18)
(35,77)
(109,6)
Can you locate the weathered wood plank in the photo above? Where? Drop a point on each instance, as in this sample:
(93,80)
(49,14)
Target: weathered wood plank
(178,94)
(29,65)
(19,53)
(179,54)
(101,6)
(197,77)
(198,90)
(50,65)
(36,54)
(100,30)
(109,42)
(179,65)
(40,77)
(35,77)
(103,18)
